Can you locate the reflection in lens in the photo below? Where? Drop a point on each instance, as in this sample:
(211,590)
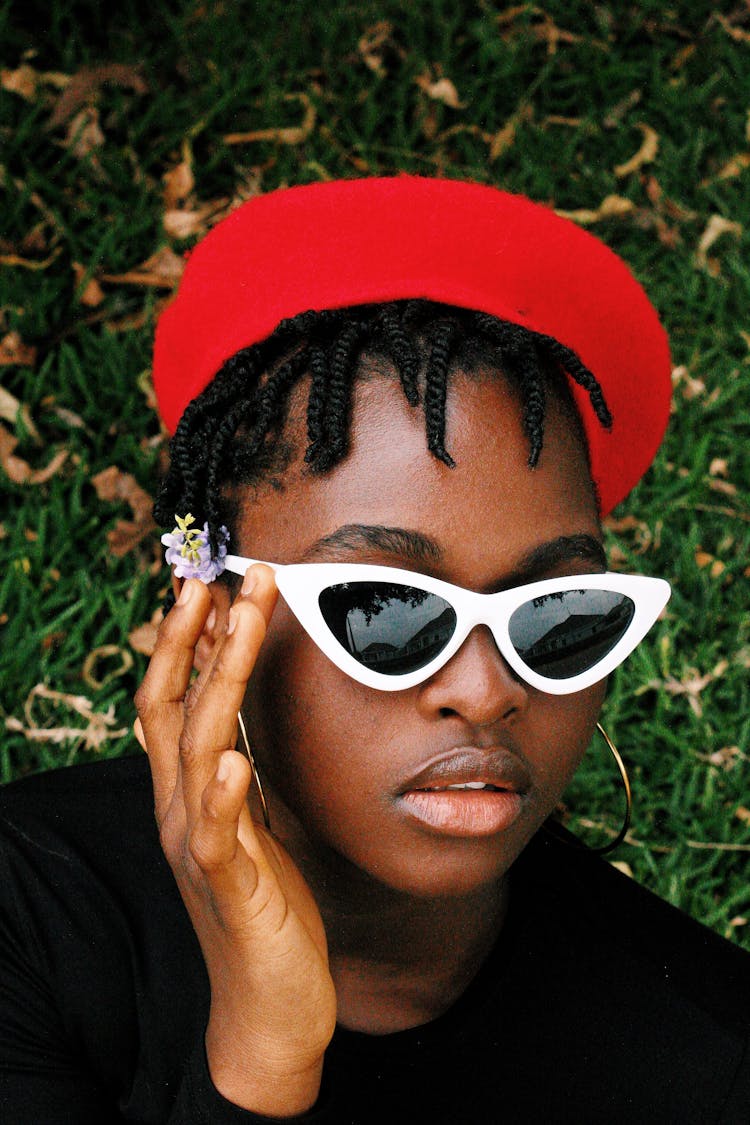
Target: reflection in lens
(561,635)
(389,628)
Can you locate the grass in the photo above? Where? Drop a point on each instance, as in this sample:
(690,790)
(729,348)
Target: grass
(548,103)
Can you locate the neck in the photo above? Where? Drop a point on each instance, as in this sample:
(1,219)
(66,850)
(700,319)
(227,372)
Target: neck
(403,963)
(397,960)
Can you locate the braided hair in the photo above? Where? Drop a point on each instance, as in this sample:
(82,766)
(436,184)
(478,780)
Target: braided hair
(233,430)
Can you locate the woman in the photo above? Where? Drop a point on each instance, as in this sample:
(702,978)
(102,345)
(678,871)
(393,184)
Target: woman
(411,401)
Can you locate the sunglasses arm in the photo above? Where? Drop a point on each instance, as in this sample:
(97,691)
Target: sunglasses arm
(237,564)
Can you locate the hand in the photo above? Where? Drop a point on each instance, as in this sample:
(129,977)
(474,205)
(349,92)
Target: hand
(273,1004)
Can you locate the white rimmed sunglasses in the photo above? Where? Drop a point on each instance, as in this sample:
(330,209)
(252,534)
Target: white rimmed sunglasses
(391,629)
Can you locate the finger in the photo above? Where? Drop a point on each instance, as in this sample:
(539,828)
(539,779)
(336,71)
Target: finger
(214,843)
(139,735)
(160,698)
(211,724)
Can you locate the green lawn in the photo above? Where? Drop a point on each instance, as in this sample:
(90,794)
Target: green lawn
(573,104)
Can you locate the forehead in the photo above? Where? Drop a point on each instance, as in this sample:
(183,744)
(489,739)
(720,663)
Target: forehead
(484,514)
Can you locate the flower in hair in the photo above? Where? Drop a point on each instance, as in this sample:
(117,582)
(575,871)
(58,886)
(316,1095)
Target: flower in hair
(189,550)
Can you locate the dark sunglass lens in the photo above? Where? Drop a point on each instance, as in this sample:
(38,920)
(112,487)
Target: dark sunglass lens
(389,628)
(561,635)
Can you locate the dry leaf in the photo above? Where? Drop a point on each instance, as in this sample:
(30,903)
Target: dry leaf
(717,226)
(113,484)
(179,181)
(30,263)
(503,139)
(371,46)
(623,867)
(726,757)
(13,351)
(105,652)
(719,467)
(11,409)
(506,136)
(92,293)
(22,81)
(69,417)
(724,486)
(25,81)
(544,29)
(93,735)
(290,135)
(690,387)
(161,271)
(441,90)
(84,133)
(691,685)
(85,85)
(612,206)
(19,470)
(184,224)
(702,558)
(645,154)
(143,639)
(734,167)
(615,115)
(737,33)
(558,119)
(743,814)
(9,406)
(683,55)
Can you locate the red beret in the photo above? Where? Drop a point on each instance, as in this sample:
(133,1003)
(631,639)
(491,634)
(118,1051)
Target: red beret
(352,242)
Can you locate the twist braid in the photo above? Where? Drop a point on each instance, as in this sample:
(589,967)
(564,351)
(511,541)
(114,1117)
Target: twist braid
(317,404)
(436,389)
(573,367)
(342,360)
(233,430)
(402,352)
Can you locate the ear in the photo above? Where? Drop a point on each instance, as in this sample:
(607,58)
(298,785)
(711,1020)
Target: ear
(216,622)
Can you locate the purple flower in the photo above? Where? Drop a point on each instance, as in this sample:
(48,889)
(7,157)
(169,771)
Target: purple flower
(189,550)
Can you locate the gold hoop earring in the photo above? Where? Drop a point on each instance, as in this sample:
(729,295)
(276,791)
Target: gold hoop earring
(628,801)
(254,768)
(628,795)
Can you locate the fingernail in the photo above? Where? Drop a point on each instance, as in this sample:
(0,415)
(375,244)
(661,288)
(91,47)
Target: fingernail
(232,622)
(211,620)
(224,767)
(186,593)
(249,582)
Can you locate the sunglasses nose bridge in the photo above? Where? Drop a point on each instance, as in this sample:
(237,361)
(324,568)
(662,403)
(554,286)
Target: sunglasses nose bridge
(486,610)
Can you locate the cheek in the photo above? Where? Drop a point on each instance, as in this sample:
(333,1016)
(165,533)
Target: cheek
(307,720)
(563,728)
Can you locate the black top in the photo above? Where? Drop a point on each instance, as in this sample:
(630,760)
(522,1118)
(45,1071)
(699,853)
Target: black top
(600,1003)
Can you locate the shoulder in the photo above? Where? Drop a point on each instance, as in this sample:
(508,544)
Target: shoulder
(79,802)
(91,923)
(595,899)
(79,845)
(637,980)
(98,815)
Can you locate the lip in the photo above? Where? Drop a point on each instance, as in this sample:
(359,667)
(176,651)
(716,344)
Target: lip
(469,812)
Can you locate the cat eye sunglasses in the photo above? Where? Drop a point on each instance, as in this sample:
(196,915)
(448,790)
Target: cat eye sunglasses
(392,629)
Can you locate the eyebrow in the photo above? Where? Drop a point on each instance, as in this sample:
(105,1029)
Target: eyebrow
(353,537)
(415,547)
(565,548)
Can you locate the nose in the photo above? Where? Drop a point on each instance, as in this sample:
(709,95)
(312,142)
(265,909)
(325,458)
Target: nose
(476,684)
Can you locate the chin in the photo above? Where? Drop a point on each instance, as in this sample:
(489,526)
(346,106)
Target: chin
(452,869)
